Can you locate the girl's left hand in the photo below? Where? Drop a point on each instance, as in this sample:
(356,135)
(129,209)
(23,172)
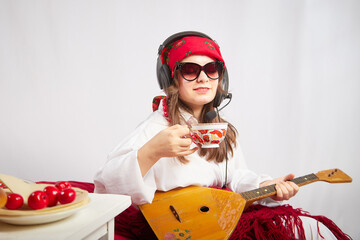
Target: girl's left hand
(284,188)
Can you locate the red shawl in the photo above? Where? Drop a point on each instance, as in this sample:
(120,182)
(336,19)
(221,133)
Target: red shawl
(256,222)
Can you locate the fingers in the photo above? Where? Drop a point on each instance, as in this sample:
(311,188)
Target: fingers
(182,140)
(286,190)
(172,142)
(283,191)
(188,152)
(181,130)
(182,134)
(295,188)
(185,142)
(288,177)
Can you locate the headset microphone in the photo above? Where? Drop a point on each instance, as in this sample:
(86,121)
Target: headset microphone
(212,114)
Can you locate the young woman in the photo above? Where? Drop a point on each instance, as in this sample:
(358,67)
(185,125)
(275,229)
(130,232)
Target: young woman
(160,154)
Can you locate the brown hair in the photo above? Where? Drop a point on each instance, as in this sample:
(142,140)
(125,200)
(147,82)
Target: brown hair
(175,104)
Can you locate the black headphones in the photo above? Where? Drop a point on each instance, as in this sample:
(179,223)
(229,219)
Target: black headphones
(163,71)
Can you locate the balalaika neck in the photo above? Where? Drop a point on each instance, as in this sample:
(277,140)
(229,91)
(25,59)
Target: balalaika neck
(260,193)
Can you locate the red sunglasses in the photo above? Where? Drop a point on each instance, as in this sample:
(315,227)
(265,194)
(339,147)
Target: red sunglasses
(191,71)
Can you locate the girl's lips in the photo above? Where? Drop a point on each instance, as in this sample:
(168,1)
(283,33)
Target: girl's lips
(202,89)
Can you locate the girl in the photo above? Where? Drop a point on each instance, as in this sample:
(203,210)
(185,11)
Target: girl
(160,154)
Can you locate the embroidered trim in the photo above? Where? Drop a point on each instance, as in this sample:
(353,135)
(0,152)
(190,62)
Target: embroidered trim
(156,104)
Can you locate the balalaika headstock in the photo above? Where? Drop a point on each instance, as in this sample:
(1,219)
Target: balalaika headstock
(333,176)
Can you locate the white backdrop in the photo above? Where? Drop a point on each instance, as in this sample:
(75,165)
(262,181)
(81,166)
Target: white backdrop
(77,76)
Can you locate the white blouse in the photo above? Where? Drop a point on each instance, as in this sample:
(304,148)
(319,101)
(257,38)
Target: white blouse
(121,173)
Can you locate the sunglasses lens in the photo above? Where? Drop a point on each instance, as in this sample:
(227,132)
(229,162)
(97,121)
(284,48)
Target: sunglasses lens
(190,71)
(211,70)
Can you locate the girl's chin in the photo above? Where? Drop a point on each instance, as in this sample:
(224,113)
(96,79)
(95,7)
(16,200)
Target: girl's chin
(203,101)
(198,100)
(198,103)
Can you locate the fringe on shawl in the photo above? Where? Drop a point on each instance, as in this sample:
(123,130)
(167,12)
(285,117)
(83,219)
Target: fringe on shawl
(281,222)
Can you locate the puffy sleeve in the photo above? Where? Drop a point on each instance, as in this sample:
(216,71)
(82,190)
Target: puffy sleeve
(121,173)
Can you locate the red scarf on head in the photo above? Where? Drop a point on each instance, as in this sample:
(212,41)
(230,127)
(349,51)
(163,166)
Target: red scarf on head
(187,46)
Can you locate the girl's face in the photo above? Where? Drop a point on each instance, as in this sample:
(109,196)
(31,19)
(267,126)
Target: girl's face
(202,90)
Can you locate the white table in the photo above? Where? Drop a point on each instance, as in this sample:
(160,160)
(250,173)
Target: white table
(95,221)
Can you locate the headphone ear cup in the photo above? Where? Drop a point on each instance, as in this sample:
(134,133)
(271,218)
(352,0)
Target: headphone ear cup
(225,86)
(163,75)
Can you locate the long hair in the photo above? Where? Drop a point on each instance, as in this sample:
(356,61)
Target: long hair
(174,106)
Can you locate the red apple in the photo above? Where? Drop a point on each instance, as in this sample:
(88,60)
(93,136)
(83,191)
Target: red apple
(14,201)
(38,200)
(61,185)
(67,195)
(53,194)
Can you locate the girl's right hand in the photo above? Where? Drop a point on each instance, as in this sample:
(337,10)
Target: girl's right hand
(173,141)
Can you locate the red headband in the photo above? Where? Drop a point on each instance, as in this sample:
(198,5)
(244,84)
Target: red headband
(187,46)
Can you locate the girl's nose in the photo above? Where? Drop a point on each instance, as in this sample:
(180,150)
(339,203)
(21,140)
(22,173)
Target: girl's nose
(202,77)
